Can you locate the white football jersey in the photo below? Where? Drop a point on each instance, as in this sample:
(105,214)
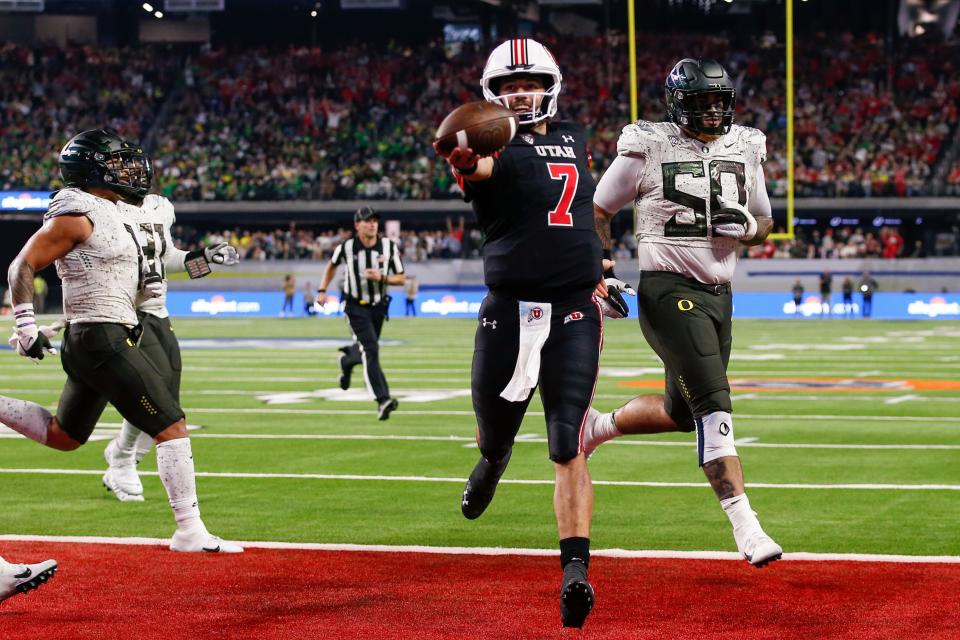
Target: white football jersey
(679,189)
(151,223)
(102,274)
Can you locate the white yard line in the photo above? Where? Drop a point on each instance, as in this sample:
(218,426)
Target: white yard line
(492,551)
(112,429)
(609,483)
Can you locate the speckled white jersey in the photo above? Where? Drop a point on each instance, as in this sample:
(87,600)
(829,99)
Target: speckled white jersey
(151,222)
(678,190)
(101,275)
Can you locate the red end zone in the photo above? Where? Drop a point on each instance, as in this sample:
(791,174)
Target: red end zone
(113,591)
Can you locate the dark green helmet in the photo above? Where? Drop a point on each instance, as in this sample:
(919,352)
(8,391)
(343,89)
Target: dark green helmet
(692,88)
(101,158)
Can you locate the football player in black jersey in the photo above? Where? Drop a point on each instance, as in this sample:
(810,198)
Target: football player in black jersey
(540,324)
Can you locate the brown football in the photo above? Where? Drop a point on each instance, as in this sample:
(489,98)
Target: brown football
(483,126)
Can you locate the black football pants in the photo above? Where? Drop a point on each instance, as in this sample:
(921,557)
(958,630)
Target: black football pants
(569,363)
(366,322)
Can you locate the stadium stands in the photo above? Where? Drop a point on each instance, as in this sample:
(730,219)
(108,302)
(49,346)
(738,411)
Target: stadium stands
(290,125)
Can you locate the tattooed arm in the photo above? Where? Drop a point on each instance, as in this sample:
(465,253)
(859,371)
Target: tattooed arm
(55,239)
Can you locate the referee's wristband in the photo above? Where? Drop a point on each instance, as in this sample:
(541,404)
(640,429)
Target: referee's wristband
(321,290)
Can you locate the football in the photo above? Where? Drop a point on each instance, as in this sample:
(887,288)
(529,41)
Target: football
(483,126)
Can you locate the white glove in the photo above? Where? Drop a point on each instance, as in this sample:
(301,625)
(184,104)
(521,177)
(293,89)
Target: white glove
(152,287)
(733,220)
(222,253)
(27,339)
(614,306)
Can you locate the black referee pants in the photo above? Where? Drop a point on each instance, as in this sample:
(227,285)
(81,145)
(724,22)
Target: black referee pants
(366,321)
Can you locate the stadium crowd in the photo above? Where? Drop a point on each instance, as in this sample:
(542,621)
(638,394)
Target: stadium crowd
(289,124)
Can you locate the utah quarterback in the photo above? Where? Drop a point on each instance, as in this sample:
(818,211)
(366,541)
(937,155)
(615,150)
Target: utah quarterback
(540,324)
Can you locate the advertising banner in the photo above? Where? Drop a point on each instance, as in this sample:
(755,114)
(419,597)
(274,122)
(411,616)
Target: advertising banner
(459,303)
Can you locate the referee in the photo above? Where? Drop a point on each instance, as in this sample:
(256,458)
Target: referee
(372,263)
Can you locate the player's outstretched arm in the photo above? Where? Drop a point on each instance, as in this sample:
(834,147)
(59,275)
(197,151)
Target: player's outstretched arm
(468,165)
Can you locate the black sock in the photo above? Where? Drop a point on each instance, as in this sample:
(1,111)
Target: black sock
(575,549)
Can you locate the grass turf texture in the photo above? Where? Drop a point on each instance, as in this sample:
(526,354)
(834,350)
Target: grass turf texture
(221,386)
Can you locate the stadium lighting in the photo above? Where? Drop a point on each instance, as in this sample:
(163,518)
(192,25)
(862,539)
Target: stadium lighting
(159,14)
(313,14)
(148,7)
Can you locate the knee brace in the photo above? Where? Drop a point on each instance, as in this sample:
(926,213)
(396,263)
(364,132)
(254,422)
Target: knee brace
(715,436)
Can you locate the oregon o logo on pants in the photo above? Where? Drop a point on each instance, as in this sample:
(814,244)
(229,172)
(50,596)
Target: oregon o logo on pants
(684,305)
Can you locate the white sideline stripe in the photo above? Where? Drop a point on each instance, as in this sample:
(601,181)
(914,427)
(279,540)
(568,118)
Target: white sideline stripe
(608,483)
(494,551)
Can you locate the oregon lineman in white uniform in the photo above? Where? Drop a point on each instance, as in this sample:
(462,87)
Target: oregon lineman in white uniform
(151,222)
(698,189)
(101,264)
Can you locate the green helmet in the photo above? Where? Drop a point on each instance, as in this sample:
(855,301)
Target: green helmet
(692,88)
(101,158)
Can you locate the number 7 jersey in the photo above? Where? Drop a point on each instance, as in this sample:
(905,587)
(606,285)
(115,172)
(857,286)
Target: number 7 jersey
(678,191)
(536,213)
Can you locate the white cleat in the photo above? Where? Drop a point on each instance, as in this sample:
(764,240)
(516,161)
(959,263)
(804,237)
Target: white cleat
(110,482)
(759,549)
(121,477)
(202,542)
(591,439)
(20,578)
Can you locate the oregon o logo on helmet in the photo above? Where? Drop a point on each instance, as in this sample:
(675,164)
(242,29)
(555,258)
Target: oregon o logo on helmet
(684,305)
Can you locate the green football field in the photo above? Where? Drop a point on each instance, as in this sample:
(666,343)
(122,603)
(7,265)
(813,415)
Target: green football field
(849,432)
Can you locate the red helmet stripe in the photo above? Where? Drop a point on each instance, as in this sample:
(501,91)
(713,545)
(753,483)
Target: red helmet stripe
(523,51)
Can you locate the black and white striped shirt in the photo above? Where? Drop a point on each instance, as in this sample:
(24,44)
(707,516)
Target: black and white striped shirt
(384,255)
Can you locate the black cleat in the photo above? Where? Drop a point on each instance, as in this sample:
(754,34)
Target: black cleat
(345,372)
(386,407)
(576,595)
(481,485)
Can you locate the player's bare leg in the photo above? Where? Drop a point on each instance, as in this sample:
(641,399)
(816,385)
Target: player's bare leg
(642,415)
(35,422)
(573,505)
(725,474)
(175,465)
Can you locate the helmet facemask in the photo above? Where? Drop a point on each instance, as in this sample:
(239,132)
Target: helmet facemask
(129,172)
(692,110)
(543,104)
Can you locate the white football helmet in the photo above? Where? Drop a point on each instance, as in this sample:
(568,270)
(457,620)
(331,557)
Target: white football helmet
(527,57)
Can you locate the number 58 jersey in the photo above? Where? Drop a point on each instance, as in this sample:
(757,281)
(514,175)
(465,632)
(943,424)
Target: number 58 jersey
(678,191)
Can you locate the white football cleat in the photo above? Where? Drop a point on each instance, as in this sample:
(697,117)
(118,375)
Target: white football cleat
(759,549)
(20,578)
(202,542)
(121,477)
(591,439)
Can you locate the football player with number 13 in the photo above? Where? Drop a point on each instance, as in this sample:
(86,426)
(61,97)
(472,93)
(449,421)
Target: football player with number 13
(698,189)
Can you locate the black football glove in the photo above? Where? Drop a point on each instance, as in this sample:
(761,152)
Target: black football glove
(614,306)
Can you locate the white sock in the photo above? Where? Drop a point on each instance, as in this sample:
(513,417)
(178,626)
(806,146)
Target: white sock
(142,447)
(26,418)
(742,517)
(127,439)
(605,427)
(175,464)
